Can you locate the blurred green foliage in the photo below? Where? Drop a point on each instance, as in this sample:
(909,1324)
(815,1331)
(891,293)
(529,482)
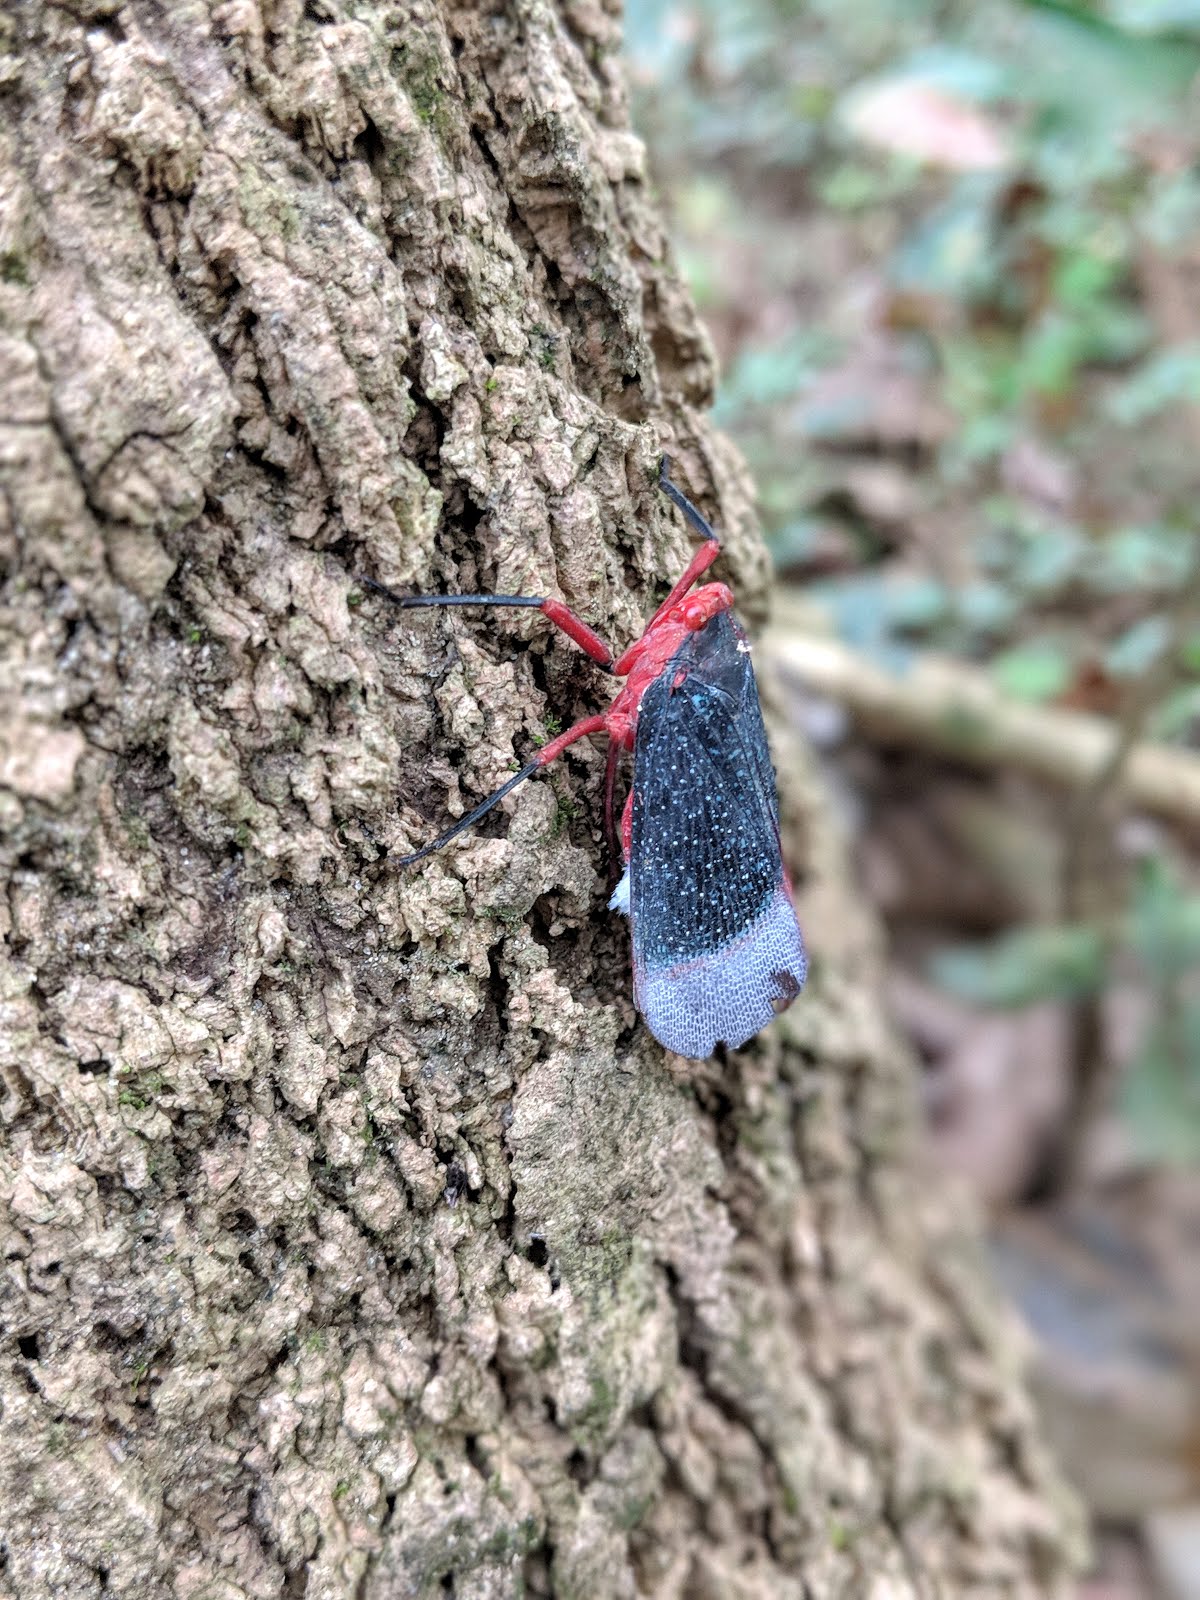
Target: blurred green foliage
(1159,944)
(1005,289)
(950,254)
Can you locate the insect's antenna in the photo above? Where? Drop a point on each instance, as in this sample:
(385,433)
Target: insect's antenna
(471,818)
(685,505)
(408,601)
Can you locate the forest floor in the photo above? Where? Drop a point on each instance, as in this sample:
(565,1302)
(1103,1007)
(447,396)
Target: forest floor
(949,257)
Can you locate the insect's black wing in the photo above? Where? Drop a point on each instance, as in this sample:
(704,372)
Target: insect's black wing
(716,948)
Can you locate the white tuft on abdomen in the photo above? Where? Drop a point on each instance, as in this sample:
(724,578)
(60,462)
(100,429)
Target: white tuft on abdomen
(620,897)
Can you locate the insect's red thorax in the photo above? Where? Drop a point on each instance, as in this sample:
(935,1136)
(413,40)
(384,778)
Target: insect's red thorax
(697,609)
(648,657)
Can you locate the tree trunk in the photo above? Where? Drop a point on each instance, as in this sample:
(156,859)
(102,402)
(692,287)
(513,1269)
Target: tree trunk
(358,1239)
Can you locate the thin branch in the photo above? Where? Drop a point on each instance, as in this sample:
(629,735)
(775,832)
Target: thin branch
(948,706)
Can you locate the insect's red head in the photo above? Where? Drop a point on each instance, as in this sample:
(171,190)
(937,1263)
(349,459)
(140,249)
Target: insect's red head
(707,602)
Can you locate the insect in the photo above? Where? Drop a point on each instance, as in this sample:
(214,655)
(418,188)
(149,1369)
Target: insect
(716,947)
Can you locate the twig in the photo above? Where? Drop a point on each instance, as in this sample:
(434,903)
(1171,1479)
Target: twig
(951,707)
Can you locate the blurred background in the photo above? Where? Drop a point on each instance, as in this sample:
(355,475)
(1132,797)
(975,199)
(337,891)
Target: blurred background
(949,255)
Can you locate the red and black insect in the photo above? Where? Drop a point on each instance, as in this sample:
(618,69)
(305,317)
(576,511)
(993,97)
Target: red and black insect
(716,947)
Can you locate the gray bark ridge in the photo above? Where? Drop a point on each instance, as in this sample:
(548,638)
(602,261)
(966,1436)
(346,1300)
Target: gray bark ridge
(357,1240)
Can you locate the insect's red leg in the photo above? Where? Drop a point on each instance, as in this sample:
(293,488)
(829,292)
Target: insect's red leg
(576,628)
(627,825)
(545,755)
(610,801)
(551,751)
(560,615)
(696,568)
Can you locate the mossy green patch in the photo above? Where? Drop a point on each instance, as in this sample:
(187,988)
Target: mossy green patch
(266,209)
(13,269)
(545,347)
(420,75)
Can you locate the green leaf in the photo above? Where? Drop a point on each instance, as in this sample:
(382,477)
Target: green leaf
(1178,714)
(1063,341)
(951,251)
(1164,924)
(1189,652)
(765,376)
(1172,377)
(985,607)
(1033,671)
(1099,77)
(852,187)
(1081,277)
(794,542)
(1138,648)
(960,72)
(1155,556)
(1024,967)
(1156,16)
(1161,1094)
(915,604)
(1049,555)
(861,611)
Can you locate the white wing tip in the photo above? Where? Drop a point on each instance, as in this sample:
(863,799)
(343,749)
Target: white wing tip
(727,995)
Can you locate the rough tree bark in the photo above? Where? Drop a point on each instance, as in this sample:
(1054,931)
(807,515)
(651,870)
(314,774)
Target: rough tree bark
(358,1240)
